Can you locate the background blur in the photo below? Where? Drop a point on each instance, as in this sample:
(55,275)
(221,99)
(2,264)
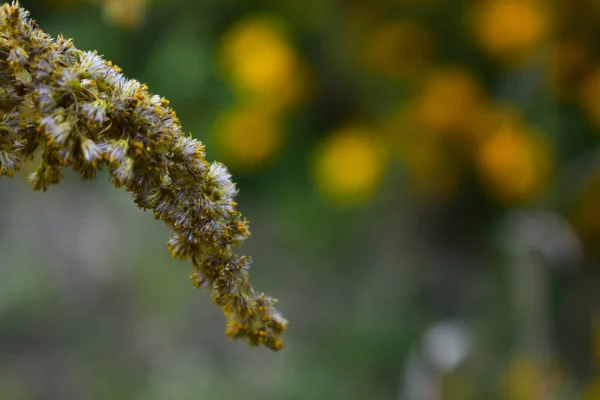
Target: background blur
(422,179)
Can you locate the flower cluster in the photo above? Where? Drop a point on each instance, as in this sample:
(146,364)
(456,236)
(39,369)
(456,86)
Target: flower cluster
(84,114)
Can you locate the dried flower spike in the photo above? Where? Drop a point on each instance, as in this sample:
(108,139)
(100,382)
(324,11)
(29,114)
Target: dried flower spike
(85,114)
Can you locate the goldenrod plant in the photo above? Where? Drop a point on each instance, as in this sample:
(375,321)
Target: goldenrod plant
(83,113)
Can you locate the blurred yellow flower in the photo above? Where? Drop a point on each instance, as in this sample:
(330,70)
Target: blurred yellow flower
(514,162)
(590,96)
(349,165)
(511,29)
(447,100)
(248,136)
(124,13)
(399,50)
(257,57)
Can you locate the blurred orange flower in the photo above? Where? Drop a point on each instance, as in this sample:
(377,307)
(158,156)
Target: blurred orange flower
(349,165)
(510,29)
(447,100)
(248,136)
(514,162)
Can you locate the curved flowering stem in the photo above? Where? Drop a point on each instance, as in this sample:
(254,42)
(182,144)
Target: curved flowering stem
(84,114)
